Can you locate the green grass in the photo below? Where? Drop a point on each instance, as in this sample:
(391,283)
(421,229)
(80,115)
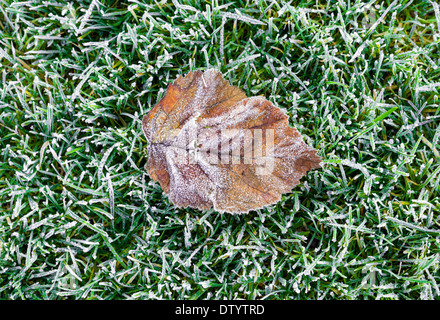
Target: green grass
(80,218)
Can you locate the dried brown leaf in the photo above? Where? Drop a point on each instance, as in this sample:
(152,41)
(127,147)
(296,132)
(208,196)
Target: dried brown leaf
(211,146)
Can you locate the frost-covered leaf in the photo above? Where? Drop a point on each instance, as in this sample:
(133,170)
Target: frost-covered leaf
(211,146)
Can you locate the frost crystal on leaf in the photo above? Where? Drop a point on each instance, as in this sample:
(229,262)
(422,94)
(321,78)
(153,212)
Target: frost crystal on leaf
(211,146)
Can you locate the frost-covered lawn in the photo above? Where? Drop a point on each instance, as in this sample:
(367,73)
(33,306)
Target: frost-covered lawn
(80,218)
